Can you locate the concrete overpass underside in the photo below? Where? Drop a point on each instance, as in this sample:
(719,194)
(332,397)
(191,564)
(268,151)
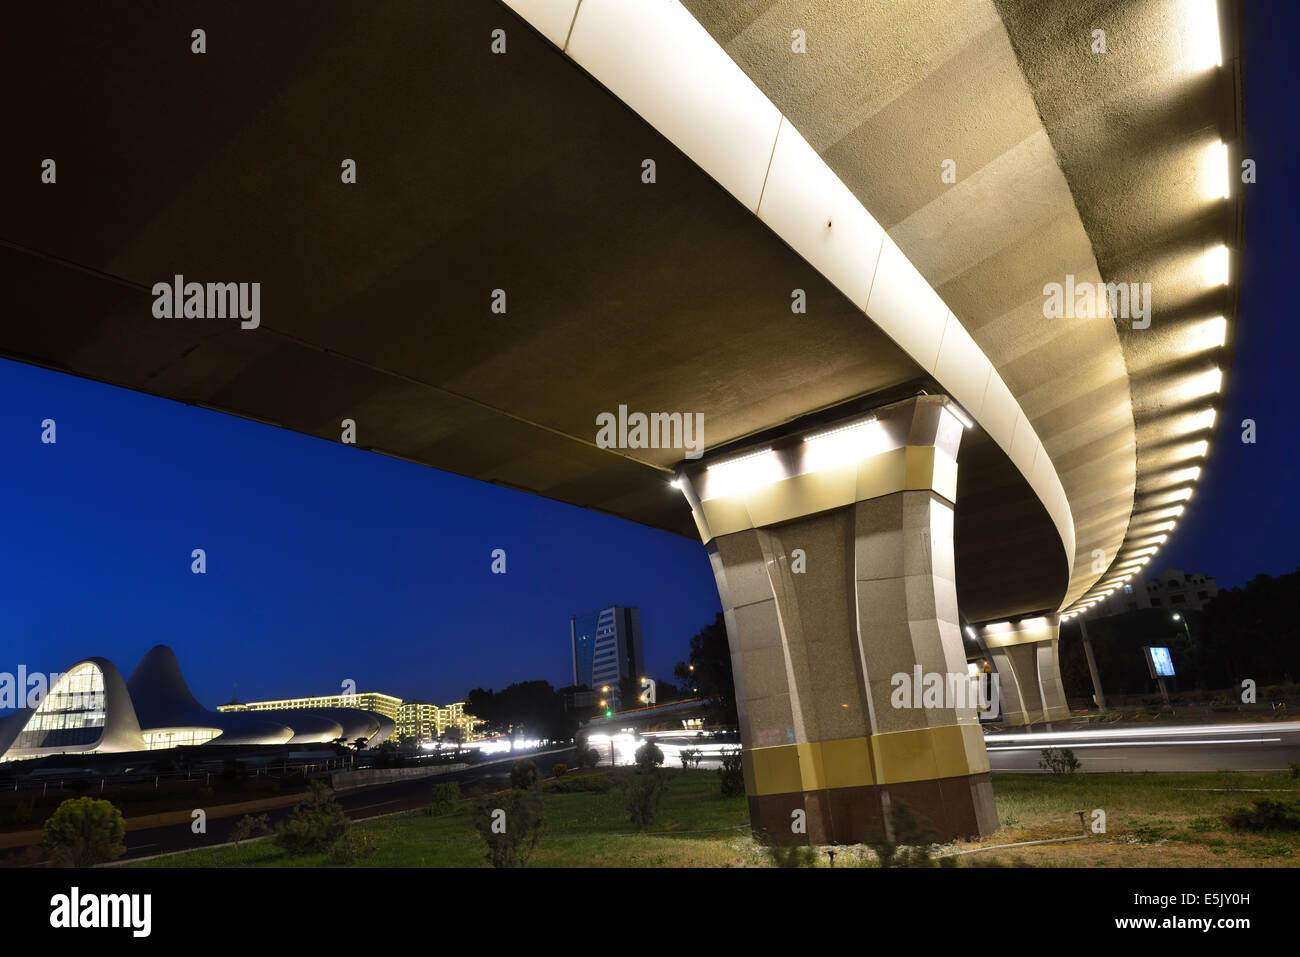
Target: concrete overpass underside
(480,171)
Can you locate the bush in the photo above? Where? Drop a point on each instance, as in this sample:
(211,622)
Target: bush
(643,793)
(1265,815)
(732,774)
(649,756)
(524,775)
(559,770)
(316,825)
(511,824)
(249,826)
(690,757)
(446,796)
(1059,761)
(85,831)
(352,847)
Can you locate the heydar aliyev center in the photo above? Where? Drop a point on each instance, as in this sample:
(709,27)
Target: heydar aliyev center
(90,709)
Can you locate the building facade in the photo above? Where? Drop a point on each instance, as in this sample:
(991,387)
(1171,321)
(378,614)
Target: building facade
(1173,589)
(606,646)
(425,722)
(383,704)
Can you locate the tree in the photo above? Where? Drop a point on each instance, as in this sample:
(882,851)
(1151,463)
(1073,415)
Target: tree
(666,691)
(645,790)
(532,708)
(708,672)
(511,824)
(85,831)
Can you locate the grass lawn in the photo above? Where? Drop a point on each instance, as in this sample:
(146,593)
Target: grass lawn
(1151,820)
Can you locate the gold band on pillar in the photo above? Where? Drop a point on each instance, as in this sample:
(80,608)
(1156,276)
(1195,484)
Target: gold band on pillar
(920,755)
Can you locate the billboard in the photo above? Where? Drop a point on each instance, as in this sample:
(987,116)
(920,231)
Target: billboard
(1159,663)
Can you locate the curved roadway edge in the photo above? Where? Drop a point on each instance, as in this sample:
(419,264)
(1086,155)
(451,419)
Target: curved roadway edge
(664,65)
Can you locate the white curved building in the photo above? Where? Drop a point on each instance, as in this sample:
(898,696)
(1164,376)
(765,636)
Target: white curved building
(91,710)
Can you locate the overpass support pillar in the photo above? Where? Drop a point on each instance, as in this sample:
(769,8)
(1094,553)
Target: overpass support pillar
(1029,672)
(833,554)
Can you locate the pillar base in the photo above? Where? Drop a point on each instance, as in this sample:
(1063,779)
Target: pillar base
(956,808)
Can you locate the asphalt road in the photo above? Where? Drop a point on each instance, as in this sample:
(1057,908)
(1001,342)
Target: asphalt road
(1206,747)
(357,803)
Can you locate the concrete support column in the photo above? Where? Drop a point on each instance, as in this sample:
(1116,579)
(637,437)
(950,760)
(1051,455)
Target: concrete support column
(1029,671)
(834,561)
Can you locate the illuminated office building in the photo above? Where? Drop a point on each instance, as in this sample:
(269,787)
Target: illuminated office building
(606,646)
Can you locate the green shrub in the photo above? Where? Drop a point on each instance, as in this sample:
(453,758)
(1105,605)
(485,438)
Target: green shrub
(524,775)
(1264,815)
(511,824)
(315,826)
(690,757)
(648,756)
(85,831)
(1059,761)
(352,847)
(643,793)
(446,797)
(732,774)
(249,826)
(559,770)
